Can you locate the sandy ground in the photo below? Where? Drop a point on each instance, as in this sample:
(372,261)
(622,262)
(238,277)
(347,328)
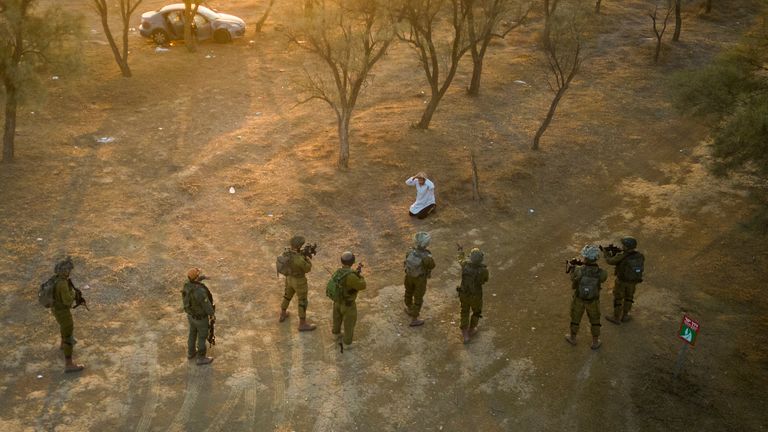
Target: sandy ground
(136,212)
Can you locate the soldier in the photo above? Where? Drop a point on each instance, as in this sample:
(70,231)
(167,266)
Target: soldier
(198,304)
(296,283)
(418,268)
(473,275)
(586,280)
(629,272)
(63,297)
(345,307)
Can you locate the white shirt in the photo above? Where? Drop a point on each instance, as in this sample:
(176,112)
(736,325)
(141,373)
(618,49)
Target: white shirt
(425,195)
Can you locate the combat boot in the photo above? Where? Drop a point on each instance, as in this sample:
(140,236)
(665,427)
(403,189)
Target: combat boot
(570,338)
(305,326)
(70,366)
(415,322)
(204,360)
(626,318)
(283,315)
(616,317)
(596,342)
(472,331)
(465,335)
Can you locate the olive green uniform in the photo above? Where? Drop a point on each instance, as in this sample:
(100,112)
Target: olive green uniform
(471,292)
(345,310)
(296,283)
(198,307)
(578,306)
(623,291)
(63,297)
(416,287)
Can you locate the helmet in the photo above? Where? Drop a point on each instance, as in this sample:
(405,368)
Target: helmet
(476,256)
(297,241)
(590,252)
(347,258)
(193,274)
(422,239)
(64,266)
(629,242)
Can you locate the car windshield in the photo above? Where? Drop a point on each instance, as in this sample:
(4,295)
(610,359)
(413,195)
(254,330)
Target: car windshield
(207,13)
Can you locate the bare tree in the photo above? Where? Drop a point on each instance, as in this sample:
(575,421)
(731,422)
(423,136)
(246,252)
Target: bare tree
(563,58)
(550,7)
(264,16)
(349,37)
(486,20)
(678,21)
(659,32)
(190,12)
(597,6)
(127,8)
(30,44)
(439,56)
(707,6)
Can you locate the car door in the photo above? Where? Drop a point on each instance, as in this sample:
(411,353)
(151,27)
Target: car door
(175,20)
(203,27)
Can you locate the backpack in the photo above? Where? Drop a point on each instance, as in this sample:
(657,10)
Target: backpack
(470,276)
(186,296)
(412,264)
(45,293)
(631,268)
(588,286)
(283,264)
(334,290)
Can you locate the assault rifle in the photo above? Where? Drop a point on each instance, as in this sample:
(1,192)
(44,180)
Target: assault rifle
(611,249)
(80,300)
(212,318)
(572,263)
(359,268)
(309,250)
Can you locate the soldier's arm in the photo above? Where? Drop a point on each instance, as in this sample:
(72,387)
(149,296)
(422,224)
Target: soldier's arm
(202,298)
(461,258)
(303,263)
(428,262)
(613,260)
(484,275)
(355,282)
(576,273)
(603,275)
(64,293)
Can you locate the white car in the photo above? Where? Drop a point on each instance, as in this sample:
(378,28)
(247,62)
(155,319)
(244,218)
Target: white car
(167,24)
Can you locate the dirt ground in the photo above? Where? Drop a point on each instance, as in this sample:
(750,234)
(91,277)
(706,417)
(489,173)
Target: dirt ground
(136,212)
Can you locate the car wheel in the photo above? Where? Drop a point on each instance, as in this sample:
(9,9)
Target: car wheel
(160,37)
(222,36)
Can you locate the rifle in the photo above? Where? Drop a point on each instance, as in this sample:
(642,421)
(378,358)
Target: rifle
(359,269)
(611,249)
(572,263)
(79,299)
(309,250)
(212,318)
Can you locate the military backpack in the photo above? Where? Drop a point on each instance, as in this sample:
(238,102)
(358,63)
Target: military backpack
(334,289)
(283,264)
(470,279)
(45,292)
(413,263)
(588,285)
(630,269)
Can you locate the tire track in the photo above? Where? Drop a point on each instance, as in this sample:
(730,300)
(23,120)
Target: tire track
(151,363)
(179,423)
(278,383)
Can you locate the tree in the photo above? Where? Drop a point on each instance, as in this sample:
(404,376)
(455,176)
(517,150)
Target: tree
(427,21)
(190,12)
(659,32)
(349,37)
(678,21)
(486,20)
(707,6)
(731,95)
(550,7)
(563,53)
(597,6)
(30,45)
(264,16)
(127,8)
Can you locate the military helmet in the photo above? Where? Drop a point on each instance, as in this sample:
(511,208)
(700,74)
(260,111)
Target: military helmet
(297,241)
(193,274)
(629,242)
(590,252)
(347,258)
(422,239)
(64,266)
(476,256)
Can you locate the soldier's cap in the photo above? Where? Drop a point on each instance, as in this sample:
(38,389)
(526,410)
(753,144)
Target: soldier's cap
(297,241)
(348,258)
(628,242)
(476,256)
(64,266)
(193,274)
(422,239)
(421,174)
(590,252)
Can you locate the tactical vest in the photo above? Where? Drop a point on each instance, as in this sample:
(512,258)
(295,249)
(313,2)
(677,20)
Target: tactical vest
(470,279)
(588,285)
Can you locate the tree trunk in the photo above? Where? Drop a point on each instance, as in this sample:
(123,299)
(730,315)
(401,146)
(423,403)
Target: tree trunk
(121,62)
(9,133)
(344,139)
(477,71)
(597,6)
(426,117)
(678,21)
(548,118)
(708,6)
(124,66)
(263,19)
(658,50)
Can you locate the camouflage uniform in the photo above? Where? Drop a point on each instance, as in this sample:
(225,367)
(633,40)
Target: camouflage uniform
(63,297)
(623,291)
(345,310)
(416,287)
(473,275)
(296,283)
(199,308)
(579,306)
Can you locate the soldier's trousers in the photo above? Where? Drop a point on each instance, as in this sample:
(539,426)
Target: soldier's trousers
(473,302)
(198,332)
(347,315)
(67,329)
(415,288)
(296,286)
(623,297)
(592,307)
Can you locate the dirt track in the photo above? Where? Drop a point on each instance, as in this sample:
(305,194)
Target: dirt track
(137,212)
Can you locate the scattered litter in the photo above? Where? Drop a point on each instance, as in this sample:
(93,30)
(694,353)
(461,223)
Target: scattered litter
(521,82)
(533,328)
(87,287)
(494,294)
(251,42)
(39,376)
(159,128)
(239,137)
(94,31)
(257,113)
(133,29)
(39,239)
(161,49)
(453,322)
(33,113)
(55,77)
(231,189)
(210,56)
(399,334)
(105,139)
(531,211)
(270,214)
